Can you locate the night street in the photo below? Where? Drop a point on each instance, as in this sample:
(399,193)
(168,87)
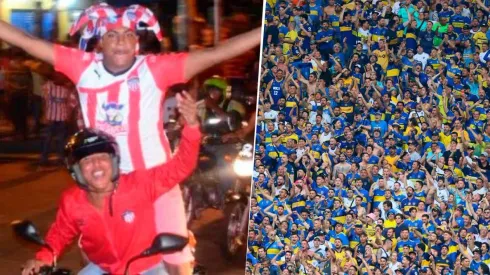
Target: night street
(26,193)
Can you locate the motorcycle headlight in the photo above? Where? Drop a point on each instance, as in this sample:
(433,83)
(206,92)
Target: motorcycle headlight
(243,167)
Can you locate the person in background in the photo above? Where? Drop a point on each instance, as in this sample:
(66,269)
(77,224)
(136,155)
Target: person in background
(59,96)
(18,85)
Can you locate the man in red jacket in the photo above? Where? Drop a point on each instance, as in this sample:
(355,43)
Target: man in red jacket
(114,213)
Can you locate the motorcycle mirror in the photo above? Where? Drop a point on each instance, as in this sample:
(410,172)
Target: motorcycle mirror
(27,231)
(165,243)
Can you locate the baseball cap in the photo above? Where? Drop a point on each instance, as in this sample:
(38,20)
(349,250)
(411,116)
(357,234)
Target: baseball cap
(466,27)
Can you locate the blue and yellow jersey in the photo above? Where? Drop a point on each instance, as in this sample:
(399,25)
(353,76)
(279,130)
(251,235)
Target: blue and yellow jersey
(274,151)
(434,62)
(298,203)
(413,224)
(273,249)
(402,243)
(420,195)
(419,175)
(443,262)
(377,33)
(399,196)
(486,258)
(341,236)
(354,240)
(400,32)
(268,137)
(407,63)
(457,90)
(379,197)
(253,245)
(458,22)
(452,71)
(338,216)
(315,12)
(393,71)
(446,14)
(335,23)
(316,150)
(453,248)
(346,107)
(291,104)
(425,260)
(409,203)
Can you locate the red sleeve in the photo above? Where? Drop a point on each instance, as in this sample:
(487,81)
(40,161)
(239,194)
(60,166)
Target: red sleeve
(61,233)
(166,176)
(167,69)
(71,62)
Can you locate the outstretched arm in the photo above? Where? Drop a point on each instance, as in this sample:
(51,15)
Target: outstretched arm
(199,61)
(36,47)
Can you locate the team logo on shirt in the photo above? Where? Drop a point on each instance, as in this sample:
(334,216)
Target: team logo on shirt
(131,15)
(134,84)
(113,119)
(128,216)
(113,113)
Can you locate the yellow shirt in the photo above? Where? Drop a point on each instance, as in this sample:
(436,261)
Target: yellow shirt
(464,134)
(410,128)
(483,83)
(391,160)
(286,47)
(480,38)
(389,224)
(445,139)
(383,58)
(339,255)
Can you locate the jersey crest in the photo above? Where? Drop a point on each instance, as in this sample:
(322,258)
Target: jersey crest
(134,84)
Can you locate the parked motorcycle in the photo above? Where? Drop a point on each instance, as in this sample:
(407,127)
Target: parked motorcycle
(163,243)
(237,202)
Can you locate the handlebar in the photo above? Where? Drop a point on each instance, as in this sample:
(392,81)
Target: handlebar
(49,270)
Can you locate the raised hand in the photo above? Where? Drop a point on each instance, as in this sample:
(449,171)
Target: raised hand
(187,108)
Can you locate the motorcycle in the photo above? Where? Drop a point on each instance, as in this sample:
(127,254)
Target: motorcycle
(237,202)
(202,189)
(163,243)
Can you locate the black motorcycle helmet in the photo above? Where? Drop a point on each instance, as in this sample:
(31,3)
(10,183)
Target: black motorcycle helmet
(85,143)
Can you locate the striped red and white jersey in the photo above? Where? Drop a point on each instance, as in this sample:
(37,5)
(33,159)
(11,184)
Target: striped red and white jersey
(127,106)
(58,101)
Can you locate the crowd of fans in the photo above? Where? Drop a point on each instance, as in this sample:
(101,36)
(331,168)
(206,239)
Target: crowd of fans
(372,139)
